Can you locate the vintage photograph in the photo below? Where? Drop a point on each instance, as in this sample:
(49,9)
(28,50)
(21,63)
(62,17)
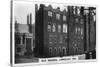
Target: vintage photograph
(51,30)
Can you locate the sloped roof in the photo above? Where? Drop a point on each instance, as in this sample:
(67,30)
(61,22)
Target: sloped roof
(22,28)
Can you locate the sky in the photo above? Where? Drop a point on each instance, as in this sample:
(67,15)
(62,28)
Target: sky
(21,9)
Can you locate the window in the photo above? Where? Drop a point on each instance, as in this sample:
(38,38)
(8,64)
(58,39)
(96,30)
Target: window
(50,50)
(55,50)
(54,27)
(81,21)
(76,20)
(57,16)
(65,28)
(59,28)
(49,27)
(81,31)
(76,30)
(50,13)
(94,18)
(59,48)
(64,51)
(17,39)
(86,12)
(78,11)
(50,40)
(64,18)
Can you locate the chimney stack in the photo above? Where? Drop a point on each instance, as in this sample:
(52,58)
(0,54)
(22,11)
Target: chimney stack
(30,18)
(29,22)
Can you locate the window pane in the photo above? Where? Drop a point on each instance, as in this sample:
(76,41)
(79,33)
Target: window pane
(65,28)
(54,28)
(49,27)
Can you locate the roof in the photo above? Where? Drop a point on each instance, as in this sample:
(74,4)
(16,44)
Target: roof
(22,28)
